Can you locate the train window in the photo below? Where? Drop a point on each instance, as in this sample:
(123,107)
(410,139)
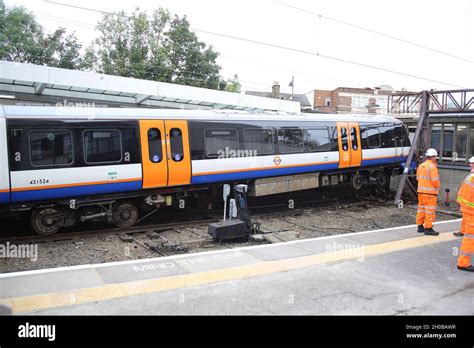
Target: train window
(344,142)
(102,146)
(259,141)
(373,138)
(318,139)
(51,148)
(290,140)
(176,144)
(155,150)
(387,135)
(354,140)
(219,142)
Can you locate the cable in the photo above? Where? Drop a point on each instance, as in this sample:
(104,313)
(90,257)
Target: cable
(327,57)
(286,48)
(376,32)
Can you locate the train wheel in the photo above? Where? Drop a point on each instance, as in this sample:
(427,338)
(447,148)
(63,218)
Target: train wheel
(125,214)
(357,181)
(381,179)
(44,221)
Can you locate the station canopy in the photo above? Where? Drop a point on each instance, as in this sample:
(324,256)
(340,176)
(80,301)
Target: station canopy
(27,84)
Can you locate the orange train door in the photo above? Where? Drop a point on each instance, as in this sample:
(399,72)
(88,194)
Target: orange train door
(344,146)
(178,154)
(355,144)
(154,160)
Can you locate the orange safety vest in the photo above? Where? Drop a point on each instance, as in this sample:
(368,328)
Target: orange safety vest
(466,195)
(428,178)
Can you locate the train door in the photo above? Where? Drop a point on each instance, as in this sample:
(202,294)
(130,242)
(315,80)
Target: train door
(355,144)
(343,141)
(154,160)
(178,153)
(4,171)
(165,153)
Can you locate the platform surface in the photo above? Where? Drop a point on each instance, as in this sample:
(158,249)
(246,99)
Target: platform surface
(390,271)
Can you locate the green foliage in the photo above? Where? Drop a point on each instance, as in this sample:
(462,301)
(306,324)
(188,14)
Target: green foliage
(157,47)
(153,46)
(22,40)
(233,85)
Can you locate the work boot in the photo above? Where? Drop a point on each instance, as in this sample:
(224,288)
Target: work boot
(421,229)
(469,269)
(431,232)
(459,234)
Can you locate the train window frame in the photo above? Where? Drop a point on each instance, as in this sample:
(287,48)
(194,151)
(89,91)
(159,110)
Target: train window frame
(346,137)
(38,130)
(354,141)
(380,138)
(262,129)
(291,128)
(219,129)
(182,145)
(84,143)
(329,138)
(160,147)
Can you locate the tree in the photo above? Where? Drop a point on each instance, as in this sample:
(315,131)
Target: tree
(22,40)
(233,85)
(156,47)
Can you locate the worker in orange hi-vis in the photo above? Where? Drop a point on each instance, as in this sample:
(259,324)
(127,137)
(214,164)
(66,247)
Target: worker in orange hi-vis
(428,185)
(466,201)
(461,232)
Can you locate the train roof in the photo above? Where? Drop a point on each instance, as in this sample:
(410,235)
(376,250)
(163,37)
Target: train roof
(104,113)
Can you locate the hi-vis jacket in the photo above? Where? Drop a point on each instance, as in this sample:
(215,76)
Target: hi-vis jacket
(428,178)
(466,195)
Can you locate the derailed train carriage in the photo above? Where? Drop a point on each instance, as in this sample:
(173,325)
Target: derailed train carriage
(61,165)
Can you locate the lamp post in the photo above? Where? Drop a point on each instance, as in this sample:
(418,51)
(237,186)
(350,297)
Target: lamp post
(292,85)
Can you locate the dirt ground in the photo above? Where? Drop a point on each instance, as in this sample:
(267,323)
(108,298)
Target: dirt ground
(310,223)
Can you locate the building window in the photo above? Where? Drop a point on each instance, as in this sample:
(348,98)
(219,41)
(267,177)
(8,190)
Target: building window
(448,137)
(382,102)
(360,102)
(51,148)
(102,146)
(290,140)
(327,101)
(461,142)
(259,140)
(436,137)
(155,150)
(318,139)
(220,141)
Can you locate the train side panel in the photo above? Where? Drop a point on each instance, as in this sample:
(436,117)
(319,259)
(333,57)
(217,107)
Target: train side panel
(66,159)
(46,184)
(4,170)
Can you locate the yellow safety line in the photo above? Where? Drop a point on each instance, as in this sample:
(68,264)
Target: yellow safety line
(120,290)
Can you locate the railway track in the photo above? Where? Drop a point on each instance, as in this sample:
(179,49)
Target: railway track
(208,216)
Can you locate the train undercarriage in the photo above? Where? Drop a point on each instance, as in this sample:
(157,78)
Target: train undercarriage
(127,209)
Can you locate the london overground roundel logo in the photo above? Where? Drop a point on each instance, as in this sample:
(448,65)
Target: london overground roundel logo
(277,160)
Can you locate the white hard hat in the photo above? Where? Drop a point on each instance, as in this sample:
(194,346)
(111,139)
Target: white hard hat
(471,160)
(431,152)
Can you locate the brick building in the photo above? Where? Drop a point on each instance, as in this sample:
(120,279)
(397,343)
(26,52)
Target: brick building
(352,100)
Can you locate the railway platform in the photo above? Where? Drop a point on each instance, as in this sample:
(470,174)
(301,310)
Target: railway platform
(393,271)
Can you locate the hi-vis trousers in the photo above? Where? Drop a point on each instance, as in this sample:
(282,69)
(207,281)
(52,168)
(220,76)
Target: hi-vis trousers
(467,245)
(426,212)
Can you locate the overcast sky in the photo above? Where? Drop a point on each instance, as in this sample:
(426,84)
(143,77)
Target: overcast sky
(446,26)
